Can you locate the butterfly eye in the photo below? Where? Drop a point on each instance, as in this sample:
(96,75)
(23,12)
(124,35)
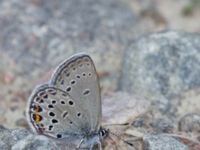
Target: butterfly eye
(103,133)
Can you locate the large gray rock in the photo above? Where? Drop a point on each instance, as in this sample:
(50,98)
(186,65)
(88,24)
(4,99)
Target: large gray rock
(190,123)
(9,137)
(162,66)
(163,63)
(35,142)
(22,139)
(162,142)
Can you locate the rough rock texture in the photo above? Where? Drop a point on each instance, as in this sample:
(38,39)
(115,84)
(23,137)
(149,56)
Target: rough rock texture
(10,137)
(190,123)
(160,142)
(22,139)
(165,63)
(163,66)
(36,142)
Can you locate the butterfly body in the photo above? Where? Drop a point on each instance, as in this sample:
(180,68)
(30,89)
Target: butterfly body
(89,140)
(68,107)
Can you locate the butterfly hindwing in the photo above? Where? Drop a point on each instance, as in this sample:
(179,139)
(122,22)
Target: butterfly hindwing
(52,112)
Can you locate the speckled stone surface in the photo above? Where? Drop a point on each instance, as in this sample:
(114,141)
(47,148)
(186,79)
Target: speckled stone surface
(163,63)
(160,142)
(163,66)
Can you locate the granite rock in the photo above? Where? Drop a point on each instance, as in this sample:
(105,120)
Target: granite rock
(162,66)
(161,142)
(164,63)
(190,123)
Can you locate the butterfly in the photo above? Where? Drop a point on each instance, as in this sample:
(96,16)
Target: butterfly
(68,107)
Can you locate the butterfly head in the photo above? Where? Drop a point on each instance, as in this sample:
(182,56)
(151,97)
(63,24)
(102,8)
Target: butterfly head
(103,133)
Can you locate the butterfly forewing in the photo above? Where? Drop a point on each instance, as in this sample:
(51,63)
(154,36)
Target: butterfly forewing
(54,113)
(77,76)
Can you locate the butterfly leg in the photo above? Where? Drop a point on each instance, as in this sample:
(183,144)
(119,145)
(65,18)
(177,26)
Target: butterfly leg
(113,142)
(99,146)
(91,147)
(81,142)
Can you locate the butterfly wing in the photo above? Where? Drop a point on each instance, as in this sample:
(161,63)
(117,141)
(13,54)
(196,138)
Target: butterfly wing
(77,76)
(52,112)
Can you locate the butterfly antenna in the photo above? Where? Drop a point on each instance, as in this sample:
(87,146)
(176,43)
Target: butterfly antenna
(123,124)
(126,142)
(113,141)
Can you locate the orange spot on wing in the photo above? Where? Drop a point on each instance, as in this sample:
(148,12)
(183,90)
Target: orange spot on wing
(37,118)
